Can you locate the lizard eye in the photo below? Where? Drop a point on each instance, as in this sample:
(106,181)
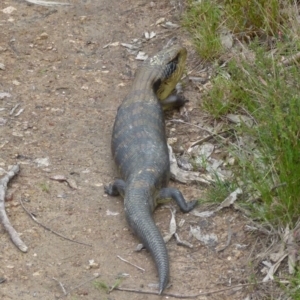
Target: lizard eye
(171,67)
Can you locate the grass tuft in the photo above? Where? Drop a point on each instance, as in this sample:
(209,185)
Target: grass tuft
(45,187)
(254,17)
(203,20)
(262,88)
(268,92)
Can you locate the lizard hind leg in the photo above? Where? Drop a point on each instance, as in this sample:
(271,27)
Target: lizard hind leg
(173,102)
(115,189)
(176,195)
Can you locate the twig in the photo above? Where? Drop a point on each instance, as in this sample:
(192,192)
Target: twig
(46,3)
(187,296)
(48,228)
(61,285)
(197,126)
(278,186)
(14,108)
(130,263)
(2,279)
(207,138)
(3,216)
(19,112)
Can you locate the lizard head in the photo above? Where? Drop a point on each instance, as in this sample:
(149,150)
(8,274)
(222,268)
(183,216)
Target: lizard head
(170,63)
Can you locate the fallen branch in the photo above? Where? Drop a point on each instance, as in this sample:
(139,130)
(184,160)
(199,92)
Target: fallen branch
(3,216)
(48,228)
(119,257)
(187,296)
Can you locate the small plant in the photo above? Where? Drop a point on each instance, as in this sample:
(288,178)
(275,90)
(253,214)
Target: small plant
(45,187)
(218,191)
(220,93)
(101,285)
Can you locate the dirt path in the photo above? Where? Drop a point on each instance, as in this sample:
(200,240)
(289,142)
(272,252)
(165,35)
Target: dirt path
(69,86)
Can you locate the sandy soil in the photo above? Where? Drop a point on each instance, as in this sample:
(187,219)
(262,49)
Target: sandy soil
(69,85)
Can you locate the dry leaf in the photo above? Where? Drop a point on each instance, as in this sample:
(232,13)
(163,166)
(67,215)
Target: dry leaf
(226,38)
(130,46)
(203,214)
(186,176)
(239,119)
(172,229)
(230,199)
(3,95)
(42,162)
(8,10)
(111,213)
(141,56)
(208,239)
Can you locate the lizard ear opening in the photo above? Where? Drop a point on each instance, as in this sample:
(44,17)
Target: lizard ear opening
(156,85)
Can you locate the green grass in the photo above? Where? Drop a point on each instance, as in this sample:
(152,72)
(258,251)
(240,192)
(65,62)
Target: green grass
(45,187)
(294,288)
(101,285)
(203,21)
(260,88)
(254,83)
(218,192)
(254,17)
(269,94)
(207,19)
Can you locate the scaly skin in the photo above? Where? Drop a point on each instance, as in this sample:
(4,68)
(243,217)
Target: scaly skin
(140,151)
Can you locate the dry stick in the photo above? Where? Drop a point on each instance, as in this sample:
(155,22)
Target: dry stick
(61,285)
(187,296)
(197,126)
(14,108)
(3,216)
(130,263)
(49,229)
(207,138)
(212,133)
